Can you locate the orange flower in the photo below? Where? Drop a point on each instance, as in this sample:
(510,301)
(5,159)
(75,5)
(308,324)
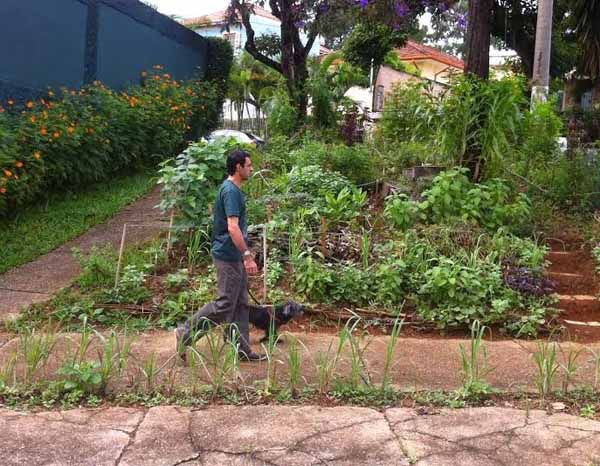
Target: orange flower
(1,109)
(50,94)
(37,155)
(44,132)
(71,129)
(29,104)
(157,78)
(19,164)
(8,173)
(2,190)
(56,134)
(33,119)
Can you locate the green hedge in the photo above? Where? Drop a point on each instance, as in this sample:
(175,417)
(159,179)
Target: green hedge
(94,133)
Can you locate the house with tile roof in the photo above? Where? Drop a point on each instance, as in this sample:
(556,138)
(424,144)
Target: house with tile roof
(262,22)
(425,63)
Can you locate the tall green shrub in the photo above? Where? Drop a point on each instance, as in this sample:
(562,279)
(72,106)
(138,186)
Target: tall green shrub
(88,135)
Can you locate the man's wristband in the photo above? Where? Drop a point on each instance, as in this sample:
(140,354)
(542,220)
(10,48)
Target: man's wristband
(247,254)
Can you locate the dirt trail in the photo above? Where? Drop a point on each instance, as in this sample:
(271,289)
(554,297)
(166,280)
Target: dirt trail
(573,269)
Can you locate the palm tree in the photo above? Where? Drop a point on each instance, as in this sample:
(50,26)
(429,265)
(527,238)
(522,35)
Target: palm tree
(587,15)
(541,62)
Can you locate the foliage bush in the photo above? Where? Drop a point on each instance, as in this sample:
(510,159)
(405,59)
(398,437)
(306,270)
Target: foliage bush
(190,180)
(91,134)
(480,119)
(315,181)
(282,116)
(410,114)
(492,204)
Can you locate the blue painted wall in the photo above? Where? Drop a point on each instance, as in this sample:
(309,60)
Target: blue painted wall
(70,42)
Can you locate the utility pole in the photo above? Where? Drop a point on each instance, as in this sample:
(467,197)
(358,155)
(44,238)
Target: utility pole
(540,83)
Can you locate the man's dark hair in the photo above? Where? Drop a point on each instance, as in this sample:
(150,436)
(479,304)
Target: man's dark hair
(238,156)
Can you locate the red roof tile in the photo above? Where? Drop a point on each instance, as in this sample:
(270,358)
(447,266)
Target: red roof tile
(219,17)
(413,51)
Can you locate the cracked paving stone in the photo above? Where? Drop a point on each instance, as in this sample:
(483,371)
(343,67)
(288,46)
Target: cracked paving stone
(34,439)
(496,436)
(163,438)
(302,435)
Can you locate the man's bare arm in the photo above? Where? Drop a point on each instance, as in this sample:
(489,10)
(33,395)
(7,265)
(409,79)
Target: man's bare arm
(233,226)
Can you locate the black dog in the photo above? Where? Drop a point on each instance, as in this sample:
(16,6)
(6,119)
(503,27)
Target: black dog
(261,316)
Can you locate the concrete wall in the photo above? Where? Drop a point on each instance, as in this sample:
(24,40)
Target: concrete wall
(72,42)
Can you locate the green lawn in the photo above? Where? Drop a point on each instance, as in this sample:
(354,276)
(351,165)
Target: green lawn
(42,228)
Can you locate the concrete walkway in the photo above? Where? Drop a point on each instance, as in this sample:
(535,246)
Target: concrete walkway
(296,436)
(39,280)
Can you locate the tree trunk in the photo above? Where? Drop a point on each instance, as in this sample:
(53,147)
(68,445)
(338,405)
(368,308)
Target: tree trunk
(477,66)
(478,38)
(540,81)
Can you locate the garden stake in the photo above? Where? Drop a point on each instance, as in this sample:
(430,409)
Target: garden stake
(265,264)
(120,255)
(169,233)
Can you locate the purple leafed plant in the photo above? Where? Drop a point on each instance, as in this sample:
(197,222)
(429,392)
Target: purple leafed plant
(528,281)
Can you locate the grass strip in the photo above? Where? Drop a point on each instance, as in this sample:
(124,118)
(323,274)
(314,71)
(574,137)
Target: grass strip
(40,229)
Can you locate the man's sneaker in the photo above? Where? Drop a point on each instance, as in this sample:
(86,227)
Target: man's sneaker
(251,356)
(180,345)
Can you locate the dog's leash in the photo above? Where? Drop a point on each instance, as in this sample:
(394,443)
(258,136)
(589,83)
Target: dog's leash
(261,305)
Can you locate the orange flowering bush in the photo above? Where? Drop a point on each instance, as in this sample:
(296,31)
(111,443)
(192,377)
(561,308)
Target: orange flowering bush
(73,138)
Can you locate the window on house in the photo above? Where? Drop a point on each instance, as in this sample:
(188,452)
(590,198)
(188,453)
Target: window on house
(378,103)
(233,38)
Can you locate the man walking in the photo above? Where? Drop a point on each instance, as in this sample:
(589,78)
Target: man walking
(233,262)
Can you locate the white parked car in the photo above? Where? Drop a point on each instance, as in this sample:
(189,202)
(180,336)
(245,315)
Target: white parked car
(240,136)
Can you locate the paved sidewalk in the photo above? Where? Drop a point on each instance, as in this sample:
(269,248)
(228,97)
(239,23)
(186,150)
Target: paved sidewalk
(39,280)
(296,436)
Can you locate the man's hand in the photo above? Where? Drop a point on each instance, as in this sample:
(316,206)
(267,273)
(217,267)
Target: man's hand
(251,266)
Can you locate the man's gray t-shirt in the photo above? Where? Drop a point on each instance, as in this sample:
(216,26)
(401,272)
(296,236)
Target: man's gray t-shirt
(231,202)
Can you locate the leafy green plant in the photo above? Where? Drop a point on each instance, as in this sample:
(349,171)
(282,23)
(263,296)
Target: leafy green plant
(311,278)
(75,137)
(313,180)
(588,411)
(294,358)
(390,352)
(474,364)
(400,211)
(7,371)
(36,349)
(150,369)
(113,357)
(83,377)
(190,181)
(478,124)
(131,287)
(569,367)
(177,279)
(410,114)
(344,206)
(98,267)
(489,204)
(547,367)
